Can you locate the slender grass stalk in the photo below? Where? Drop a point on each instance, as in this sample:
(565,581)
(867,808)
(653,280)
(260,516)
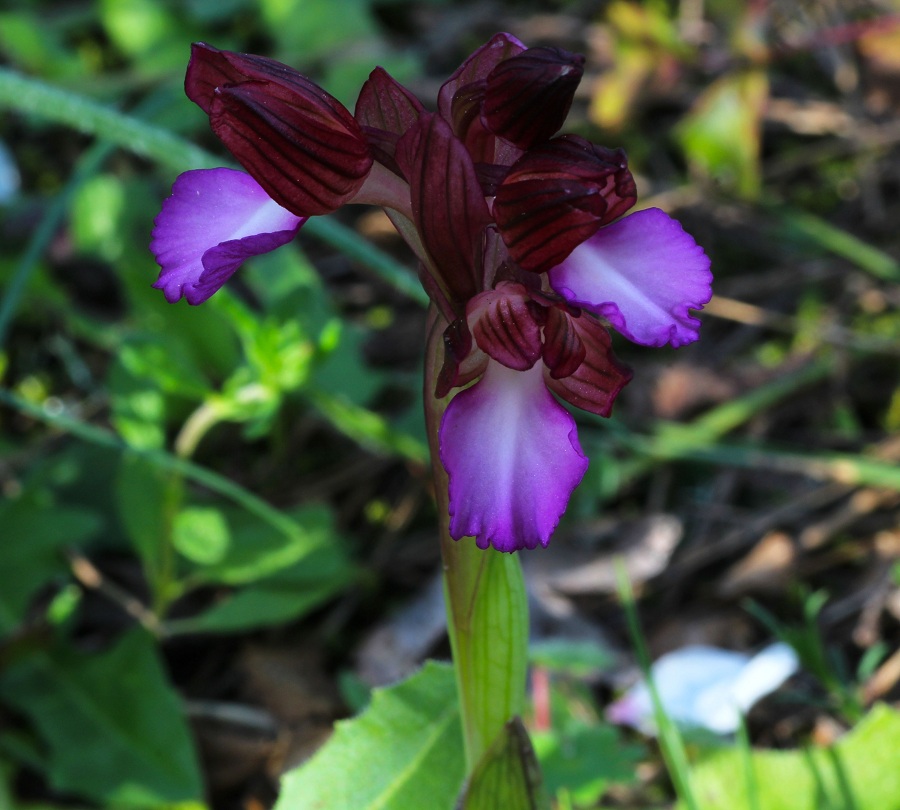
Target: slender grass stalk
(746,751)
(34,98)
(670,740)
(830,238)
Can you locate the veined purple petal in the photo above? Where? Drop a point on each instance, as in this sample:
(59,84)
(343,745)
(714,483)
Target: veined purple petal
(598,379)
(385,109)
(506,325)
(559,194)
(513,458)
(643,274)
(301,144)
(448,207)
(476,67)
(214,221)
(527,97)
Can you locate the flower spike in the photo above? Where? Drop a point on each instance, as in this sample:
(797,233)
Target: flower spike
(523,244)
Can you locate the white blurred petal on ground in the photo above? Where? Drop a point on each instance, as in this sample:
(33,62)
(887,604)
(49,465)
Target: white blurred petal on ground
(706,687)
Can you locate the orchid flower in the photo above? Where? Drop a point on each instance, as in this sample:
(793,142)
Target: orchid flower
(525,249)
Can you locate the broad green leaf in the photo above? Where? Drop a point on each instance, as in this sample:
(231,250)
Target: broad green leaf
(35,533)
(858,773)
(289,287)
(111,723)
(191,337)
(584,759)
(367,427)
(255,606)
(404,751)
(201,534)
(256,550)
(164,360)
(277,599)
(507,776)
(341,368)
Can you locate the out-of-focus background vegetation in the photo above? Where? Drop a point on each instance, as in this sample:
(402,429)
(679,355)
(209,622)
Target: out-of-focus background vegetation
(216,527)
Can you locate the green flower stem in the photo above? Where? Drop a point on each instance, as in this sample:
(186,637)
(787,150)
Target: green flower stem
(487,608)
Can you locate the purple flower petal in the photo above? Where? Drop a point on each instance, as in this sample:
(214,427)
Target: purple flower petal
(557,195)
(513,458)
(214,221)
(643,274)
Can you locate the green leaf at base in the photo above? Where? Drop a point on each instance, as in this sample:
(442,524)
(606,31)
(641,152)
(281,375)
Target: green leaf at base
(507,776)
(404,751)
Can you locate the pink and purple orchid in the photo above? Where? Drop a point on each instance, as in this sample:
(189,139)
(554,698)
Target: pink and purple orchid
(525,249)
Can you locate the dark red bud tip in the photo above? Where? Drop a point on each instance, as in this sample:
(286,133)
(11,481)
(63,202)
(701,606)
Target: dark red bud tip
(559,194)
(528,96)
(298,142)
(385,110)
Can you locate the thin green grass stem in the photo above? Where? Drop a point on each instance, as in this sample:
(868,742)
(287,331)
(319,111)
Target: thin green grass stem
(670,740)
(746,751)
(817,231)
(34,98)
